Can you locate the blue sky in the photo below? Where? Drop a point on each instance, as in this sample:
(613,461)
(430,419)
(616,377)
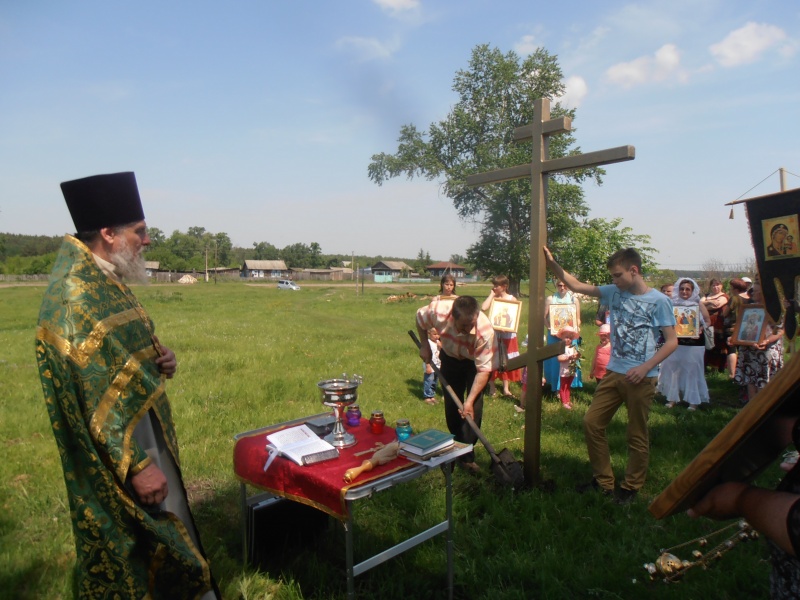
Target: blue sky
(259,118)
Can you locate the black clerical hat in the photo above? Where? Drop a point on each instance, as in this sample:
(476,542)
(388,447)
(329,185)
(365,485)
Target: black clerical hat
(103,201)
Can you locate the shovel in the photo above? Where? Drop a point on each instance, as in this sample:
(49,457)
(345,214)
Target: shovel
(505,467)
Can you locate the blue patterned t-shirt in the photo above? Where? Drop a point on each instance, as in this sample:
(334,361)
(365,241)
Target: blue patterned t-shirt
(636,322)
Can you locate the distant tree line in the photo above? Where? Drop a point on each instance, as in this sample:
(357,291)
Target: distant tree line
(188,251)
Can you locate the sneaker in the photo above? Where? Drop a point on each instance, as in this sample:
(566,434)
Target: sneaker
(623,497)
(592,486)
(692,408)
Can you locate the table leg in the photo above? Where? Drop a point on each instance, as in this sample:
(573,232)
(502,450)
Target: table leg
(448,476)
(243,520)
(348,539)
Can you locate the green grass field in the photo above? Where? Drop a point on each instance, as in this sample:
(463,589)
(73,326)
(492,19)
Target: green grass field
(252,355)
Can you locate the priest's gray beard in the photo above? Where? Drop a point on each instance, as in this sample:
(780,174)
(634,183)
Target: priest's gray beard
(130,265)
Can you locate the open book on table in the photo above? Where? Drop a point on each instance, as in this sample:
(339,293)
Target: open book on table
(299,444)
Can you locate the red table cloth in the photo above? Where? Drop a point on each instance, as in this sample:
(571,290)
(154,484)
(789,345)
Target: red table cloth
(320,485)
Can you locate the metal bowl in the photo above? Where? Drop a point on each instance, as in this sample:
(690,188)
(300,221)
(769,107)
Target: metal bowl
(338,391)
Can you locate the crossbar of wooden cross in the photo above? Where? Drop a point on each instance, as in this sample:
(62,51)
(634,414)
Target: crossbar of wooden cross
(540,166)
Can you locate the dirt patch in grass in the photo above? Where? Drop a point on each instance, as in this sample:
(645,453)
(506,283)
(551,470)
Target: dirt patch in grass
(199,491)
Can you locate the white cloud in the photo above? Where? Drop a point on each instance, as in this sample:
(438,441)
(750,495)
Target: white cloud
(663,65)
(574,93)
(746,44)
(368,48)
(398,7)
(527,45)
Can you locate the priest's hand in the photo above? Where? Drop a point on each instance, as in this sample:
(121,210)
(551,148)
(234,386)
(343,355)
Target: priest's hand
(167,362)
(150,485)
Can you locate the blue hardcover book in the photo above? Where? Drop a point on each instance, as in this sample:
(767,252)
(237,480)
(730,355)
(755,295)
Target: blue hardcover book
(425,442)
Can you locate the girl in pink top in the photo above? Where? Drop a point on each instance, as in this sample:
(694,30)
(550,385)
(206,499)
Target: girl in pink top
(601,354)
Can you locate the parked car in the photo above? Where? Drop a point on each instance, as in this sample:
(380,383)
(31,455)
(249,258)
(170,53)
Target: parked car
(285,284)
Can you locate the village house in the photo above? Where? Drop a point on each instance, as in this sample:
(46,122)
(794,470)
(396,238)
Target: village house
(151,267)
(332,274)
(269,269)
(389,270)
(440,268)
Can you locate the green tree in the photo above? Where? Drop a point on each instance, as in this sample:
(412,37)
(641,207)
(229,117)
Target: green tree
(422,261)
(592,244)
(167,261)
(335,260)
(196,232)
(265,251)
(17,244)
(662,276)
(317,262)
(184,245)
(224,249)
(157,237)
(297,255)
(495,94)
(40,264)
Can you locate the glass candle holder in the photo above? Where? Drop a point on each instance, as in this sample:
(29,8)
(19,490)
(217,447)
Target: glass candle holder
(403,429)
(377,421)
(353,415)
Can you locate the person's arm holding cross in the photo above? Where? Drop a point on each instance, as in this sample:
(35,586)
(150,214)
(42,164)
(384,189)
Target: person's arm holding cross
(569,280)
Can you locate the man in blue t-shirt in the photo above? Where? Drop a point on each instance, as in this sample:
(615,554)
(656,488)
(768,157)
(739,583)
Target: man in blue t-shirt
(638,313)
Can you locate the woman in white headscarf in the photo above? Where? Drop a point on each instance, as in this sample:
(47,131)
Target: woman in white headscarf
(683,372)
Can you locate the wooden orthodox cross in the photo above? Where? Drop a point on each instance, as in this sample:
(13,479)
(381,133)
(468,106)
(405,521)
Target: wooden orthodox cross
(538,169)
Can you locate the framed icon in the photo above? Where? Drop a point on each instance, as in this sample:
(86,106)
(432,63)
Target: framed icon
(781,237)
(504,314)
(687,321)
(751,327)
(562,315)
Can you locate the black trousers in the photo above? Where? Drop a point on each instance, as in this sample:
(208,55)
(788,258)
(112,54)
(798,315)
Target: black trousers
(460,374)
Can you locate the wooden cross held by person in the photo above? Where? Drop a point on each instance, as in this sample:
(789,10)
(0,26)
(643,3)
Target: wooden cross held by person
(540,166)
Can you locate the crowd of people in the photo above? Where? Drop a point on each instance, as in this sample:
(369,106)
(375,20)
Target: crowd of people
(711,342)
(705,331)
(698,329)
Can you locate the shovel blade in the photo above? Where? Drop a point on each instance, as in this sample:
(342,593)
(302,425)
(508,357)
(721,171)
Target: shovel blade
(507,470)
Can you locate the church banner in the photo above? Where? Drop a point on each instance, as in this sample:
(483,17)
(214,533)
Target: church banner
(775,230)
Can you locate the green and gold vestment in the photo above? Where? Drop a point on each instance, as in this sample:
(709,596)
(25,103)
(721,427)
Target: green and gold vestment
(96,353)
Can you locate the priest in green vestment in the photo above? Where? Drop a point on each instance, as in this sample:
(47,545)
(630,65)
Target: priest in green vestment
(103,372)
